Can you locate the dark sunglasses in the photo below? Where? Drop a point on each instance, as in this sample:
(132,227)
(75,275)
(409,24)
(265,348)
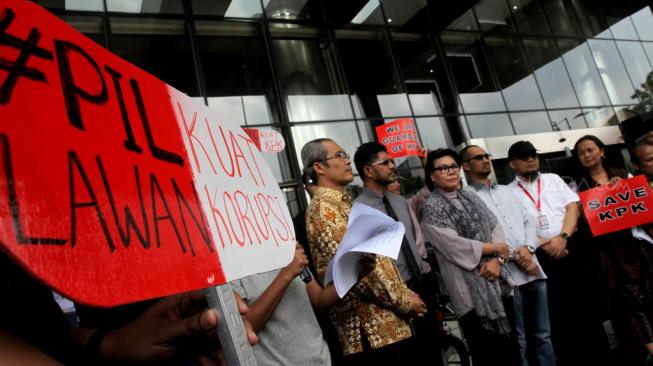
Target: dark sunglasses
(479,157)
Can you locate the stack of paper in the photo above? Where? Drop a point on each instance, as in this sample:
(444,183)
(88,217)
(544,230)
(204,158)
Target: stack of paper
(368,231)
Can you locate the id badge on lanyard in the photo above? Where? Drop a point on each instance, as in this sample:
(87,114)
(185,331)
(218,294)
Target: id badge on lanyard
(542,219)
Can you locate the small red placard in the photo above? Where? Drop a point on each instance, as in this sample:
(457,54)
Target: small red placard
(399,137)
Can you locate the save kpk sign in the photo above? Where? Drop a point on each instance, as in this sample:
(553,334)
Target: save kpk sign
(114,186)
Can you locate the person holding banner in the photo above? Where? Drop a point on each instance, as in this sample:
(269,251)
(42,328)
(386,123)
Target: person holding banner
(372,320)
(576,327)
(34,330)
(624,265)
(530,300)
(471,252)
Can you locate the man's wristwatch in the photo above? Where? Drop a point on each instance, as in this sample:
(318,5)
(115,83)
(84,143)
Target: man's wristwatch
(530,248)
(564,235)
(501,260)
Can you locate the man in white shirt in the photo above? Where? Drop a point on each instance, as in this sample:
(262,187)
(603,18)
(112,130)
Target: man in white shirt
(576,329)
(518,223)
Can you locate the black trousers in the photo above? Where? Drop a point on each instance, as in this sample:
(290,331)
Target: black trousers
(489,348)
(399,353)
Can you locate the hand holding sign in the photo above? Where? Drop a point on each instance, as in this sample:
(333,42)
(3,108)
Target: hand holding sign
(622,205)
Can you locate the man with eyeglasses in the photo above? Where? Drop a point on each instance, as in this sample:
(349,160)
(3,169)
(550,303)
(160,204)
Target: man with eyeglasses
(372,319)
(576,329)
(530,298)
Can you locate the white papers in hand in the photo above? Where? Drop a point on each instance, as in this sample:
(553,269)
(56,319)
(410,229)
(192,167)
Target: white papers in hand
(368,231)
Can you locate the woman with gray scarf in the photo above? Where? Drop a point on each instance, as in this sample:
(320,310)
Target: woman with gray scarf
(471,250)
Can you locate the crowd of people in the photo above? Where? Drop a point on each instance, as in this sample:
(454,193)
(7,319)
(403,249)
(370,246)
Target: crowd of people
(527,281)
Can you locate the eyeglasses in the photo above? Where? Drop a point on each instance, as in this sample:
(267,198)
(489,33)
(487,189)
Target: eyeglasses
(340,155)
(446,169)
(526,156)
(384,162)
(479,157)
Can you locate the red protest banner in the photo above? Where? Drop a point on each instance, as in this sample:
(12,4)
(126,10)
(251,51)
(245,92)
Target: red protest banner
(625,204)
(115,187)
(399,137)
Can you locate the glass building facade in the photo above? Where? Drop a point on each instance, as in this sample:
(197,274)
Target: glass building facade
(326,68)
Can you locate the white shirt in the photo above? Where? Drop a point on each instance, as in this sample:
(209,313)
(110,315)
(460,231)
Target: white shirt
(554,198)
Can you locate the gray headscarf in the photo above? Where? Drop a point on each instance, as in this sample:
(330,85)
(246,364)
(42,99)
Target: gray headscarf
(475,221)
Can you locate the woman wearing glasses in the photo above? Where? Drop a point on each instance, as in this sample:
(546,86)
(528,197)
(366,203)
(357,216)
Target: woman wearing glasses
(471,250)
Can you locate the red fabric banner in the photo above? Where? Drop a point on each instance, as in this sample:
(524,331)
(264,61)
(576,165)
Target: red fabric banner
(622,205)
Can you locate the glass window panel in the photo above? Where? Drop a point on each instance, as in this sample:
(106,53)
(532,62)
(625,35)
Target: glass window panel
(343,133)
(567,119)
(228,8)
(430,129)
(354,12)
(637,63)
(612,71)
(83,5)
(539,51)
(643,21)
(308,79)
(648,47)
(531,122)
(599,117)
(292,200)
(236,70)
(393,105)
(422,67)
(590,17)
(146,42)
(494,16)
(370,73)
(555,85)
(505,55)
(465,22)
(470,70)
(365,129)
(561,17)
(146,6)
(529,16)
(489,125)
(228,108)
(584,75)
(523,95)
(624,29)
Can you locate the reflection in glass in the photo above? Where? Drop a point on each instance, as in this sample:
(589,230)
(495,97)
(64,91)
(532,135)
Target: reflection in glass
(648,47)
(531,122)
(370,74)
(477,90)
(643,21)
(295,9)
(425,104)
(637,64)
(624,29)
(228,8)
(523,95)
(465,22)
(555,85)
(406,14)
(308,81)
(584,76)
(83,5)
(612,71)
(343,133)
(561,17)
(236,71)
(529,16)
(505,55)
(370,13)
(430,130)
(599,117)
(145,6)
(90,26)
(567,119)
(489,125)
(494,16)
(146,42)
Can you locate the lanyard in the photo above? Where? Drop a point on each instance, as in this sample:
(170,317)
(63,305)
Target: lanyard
(537,204)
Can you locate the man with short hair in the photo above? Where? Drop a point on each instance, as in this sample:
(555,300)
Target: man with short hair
(576,327)
(372,319)
(530,299)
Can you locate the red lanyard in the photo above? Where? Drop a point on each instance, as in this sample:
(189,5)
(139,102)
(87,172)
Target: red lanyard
(539,195)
